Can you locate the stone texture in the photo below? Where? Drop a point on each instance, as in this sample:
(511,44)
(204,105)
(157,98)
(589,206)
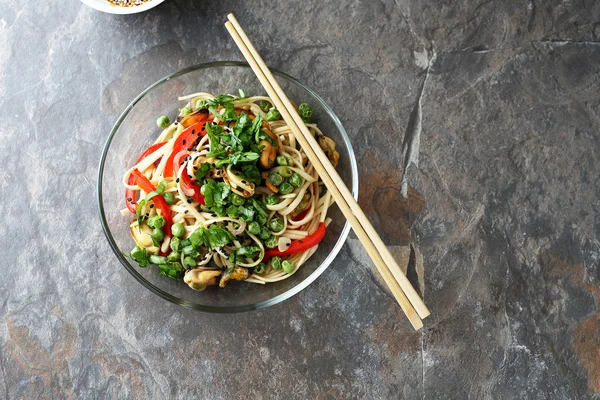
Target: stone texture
(491,107)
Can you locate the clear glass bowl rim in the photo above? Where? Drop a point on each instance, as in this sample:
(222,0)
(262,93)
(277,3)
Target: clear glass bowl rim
(229,309)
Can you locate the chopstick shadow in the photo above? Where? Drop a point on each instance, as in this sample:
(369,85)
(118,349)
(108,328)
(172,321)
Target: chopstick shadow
(414,269)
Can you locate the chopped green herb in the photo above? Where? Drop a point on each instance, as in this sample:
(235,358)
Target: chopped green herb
(202,171)
(172,270)
(140,255)
(273,115)
(265,105)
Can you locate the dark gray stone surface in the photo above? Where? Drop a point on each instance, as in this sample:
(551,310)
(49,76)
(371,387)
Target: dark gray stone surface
(492,106)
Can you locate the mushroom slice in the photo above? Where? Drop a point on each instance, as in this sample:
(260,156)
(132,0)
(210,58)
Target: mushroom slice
(237,273)
(200,278)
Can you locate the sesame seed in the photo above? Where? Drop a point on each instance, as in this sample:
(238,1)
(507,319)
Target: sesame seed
(183,142)
(186,211)
(287,244)
(244,182)
(151,205)
(177,180)
(189,201)
(213,215)
(193,133)
(129,199)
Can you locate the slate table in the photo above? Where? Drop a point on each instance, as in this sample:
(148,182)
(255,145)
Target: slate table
(492,109)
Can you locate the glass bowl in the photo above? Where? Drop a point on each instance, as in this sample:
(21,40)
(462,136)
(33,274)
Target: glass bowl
(136,129)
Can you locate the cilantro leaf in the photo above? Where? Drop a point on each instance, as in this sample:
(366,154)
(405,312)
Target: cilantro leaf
(172,270)
(246,213)
(251,174)
(247,251)
(216,149)
(201,173)
(218,236)
(198,238)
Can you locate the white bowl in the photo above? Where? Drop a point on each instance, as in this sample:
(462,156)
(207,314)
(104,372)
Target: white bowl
(105,6)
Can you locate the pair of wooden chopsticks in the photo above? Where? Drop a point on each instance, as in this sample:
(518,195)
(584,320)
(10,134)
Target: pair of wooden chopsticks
(399,285)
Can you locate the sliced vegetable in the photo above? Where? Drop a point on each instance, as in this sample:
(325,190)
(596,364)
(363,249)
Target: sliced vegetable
(187,139)
(159,201)
(300,245)
(130,197)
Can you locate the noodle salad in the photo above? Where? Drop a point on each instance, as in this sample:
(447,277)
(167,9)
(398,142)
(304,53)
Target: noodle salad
(226,193)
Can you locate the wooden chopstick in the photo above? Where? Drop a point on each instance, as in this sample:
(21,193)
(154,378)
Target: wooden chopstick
(385,263)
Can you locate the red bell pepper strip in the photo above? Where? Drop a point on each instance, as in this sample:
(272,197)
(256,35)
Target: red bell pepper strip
(192,184)
(158,200)
(130,193)
(300,245)
(187,138)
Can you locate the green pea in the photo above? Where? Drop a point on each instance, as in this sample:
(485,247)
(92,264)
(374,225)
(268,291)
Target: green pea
(305,110)
(260,268)
(254,228)
(276,224)
(173,256)
(273,115)
(163,121)
(286,172)
(272,241)
(296,180)
(156,221)
(272,200)
(264,233)
(282,160)
(276,263)
(158,234)
(178,230)
(275,179)
(290,161)
(288,266)
(236,199)
(189,262)
(285,188)
(185,243)
(169,197)
(186,110)
(175,243)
